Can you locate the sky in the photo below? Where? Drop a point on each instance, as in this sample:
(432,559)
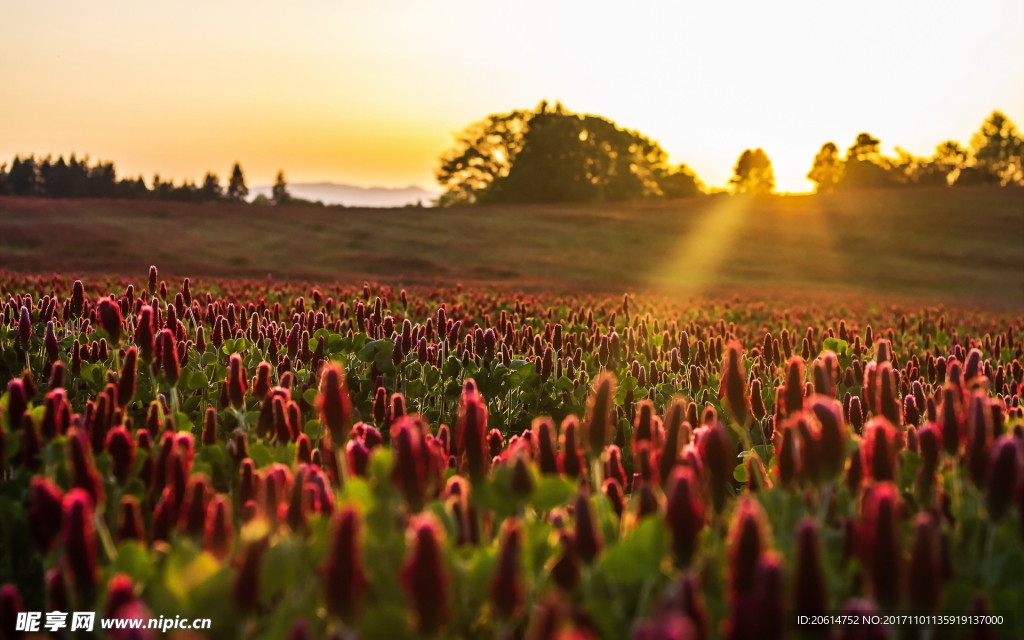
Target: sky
(372,92)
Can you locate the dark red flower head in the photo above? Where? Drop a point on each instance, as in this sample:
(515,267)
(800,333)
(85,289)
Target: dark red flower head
(237,381)
(507,590)
(334,404)
(734,383)
(589,540)
(748,539)
(343,577)
(471,429)
(110,319)
(44,512)
(685,513)
(598,422)
(878,542)
(79,541)
(1004,476)
(424,575)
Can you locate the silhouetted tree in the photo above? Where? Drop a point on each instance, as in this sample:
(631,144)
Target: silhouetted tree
(237,191)
(483,153)
(280,194)
(211,189)
(866,166)
(827,168)
(753,173)
(950,158)
(552,155)
(998,150)
(24,177)
(132,189)
(680,182)
(581,158)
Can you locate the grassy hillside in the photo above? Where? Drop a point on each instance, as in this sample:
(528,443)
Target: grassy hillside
(926,243)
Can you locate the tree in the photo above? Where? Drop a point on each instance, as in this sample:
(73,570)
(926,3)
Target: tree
(237,191)
(211,189)
(827,169)
(23,177)
(998,150)
(950,159)
(553,155)
(483,153)
(681,182)
(581,158)
(865,166)
(280,194)
(753,173)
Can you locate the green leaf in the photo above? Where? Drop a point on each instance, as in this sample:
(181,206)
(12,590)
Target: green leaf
(183,422)
(837,346)
(638,555)
(309,395)
(552,491)
(384,622)
(740,473)
(134,561)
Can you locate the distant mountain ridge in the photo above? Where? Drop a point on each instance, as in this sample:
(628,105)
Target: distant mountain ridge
(354,196)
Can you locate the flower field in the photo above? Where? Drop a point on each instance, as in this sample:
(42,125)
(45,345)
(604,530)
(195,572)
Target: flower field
(309,460)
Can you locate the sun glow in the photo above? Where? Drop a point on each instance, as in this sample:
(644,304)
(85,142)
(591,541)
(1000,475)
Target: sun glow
(372,92)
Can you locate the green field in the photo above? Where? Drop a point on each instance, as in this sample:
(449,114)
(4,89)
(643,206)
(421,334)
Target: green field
(964,244)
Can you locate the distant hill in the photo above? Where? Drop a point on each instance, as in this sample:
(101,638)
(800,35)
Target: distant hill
(354,196)
(939,244)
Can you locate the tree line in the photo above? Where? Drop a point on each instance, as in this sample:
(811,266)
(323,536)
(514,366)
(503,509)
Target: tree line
(78,178)
(995,156)
(550,154)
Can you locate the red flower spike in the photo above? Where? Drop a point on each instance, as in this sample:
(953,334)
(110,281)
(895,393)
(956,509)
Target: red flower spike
(129,521)
(424,576)
(734,383)
(810,592)
(925,575)
(44,512)
(79,542)
(472,427)
(878,542)
(598,422)
(121,447)
(589,541)
(245,589)
(684,513)
(237,382)
(748,539)
(333,403)
(1004,477)
(507,590)
(343,578)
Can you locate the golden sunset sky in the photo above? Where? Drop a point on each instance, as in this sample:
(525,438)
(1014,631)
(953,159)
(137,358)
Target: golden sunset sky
(371,92)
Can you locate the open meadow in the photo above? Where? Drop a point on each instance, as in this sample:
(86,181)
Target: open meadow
(802,406)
